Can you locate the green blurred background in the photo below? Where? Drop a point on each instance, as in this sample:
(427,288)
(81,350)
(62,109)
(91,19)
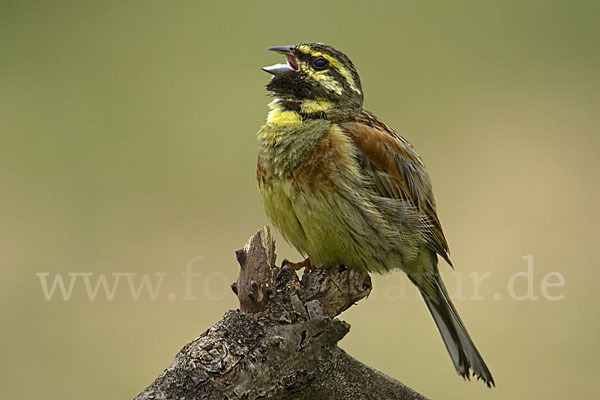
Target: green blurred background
(127,144)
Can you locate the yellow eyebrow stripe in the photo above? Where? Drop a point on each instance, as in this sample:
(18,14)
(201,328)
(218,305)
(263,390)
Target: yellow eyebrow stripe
(334,63)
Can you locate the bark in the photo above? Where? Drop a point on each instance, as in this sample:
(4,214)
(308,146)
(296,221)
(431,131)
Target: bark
(281,343)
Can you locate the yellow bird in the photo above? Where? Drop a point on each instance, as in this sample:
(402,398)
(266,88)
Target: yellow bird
(344,188)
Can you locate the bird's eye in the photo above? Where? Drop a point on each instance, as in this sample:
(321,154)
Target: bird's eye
(320,63)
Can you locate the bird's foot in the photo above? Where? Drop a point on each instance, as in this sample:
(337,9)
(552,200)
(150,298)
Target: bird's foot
(297,266)
(359,281)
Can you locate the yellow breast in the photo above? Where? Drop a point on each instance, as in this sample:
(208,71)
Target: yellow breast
(318,207)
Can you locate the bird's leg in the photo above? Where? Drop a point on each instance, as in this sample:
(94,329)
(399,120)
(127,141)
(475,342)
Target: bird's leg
(297,266)
(358,280)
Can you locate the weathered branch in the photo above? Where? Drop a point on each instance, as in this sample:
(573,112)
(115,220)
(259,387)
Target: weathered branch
(281,343)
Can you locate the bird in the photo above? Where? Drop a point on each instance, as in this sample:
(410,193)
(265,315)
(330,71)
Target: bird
(343,188)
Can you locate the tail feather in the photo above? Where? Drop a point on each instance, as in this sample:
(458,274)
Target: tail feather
(463,352)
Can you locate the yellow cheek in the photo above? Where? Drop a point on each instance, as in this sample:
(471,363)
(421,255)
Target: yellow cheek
(325,80)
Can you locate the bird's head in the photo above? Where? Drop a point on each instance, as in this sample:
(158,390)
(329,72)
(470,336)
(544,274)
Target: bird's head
(317,81)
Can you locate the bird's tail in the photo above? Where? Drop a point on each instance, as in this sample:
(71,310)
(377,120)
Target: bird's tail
(463,352)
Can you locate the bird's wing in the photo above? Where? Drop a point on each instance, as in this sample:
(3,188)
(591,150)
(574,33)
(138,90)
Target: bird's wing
(397,172)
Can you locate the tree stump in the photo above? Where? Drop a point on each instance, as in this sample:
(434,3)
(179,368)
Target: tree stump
(281,343)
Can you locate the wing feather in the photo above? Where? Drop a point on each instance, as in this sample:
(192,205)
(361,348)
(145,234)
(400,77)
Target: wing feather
(397,172)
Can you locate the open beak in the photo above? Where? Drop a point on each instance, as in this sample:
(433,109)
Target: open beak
(279,69)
